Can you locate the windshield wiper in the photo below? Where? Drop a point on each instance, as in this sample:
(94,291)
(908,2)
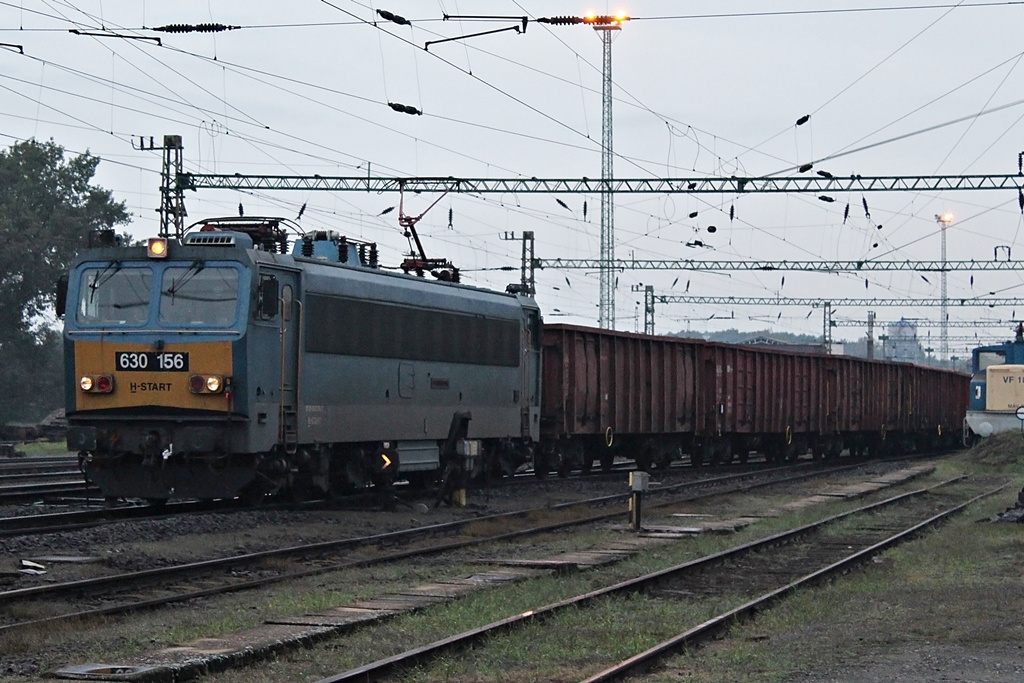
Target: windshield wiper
(97,282)
(192,271)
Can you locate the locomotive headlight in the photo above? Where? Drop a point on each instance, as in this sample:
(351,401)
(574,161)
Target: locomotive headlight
(97,384)
(205,384)
(156,247)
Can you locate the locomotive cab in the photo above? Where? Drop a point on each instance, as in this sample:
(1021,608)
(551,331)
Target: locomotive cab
(996,389)
(152,336)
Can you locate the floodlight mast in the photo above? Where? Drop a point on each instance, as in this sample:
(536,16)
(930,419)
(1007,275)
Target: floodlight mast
(944,219)
(606,27)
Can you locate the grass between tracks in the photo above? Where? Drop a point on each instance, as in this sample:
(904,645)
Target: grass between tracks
(782,644)
(960,583)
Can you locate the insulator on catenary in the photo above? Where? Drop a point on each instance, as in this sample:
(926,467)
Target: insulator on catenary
(846,212)
(584,210)
(712,229)
(806,167)
(405,109)
(803,119)
(693,214)
(826,198)
(1020,200)
(867,214)
(386,211)
(195,28)
(732,212)
(824,174)
(389,16)
(559,21)
(562,204)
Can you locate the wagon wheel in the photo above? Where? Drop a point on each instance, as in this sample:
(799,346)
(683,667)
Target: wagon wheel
(565,465)
(540,464)
(643,462)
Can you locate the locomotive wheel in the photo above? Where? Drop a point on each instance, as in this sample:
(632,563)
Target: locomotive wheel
(252,495)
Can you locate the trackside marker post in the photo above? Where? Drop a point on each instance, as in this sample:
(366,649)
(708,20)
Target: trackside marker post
(639,483)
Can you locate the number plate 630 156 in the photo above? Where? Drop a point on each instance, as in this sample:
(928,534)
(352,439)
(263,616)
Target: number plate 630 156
(151,361)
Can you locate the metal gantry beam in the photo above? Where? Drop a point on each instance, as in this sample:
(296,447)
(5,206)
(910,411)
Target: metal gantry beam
(696,185)
(819,301)
(810,266)
(930,323)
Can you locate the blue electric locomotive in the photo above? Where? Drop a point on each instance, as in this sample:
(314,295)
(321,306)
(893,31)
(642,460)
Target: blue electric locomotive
(997,389)
(225,366)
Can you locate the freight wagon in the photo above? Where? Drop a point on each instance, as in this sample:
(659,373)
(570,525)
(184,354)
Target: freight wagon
(607,392)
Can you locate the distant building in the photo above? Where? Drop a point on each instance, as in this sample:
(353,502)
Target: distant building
(789,346)
(902,344)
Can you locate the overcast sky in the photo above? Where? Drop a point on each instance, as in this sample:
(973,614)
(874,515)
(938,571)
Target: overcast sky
(303,88)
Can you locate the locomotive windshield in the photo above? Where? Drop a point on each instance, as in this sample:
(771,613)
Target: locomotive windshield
(987,358)
(114,295)
(199,295)
(121,295)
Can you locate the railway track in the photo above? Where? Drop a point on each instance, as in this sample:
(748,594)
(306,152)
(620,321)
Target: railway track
(11,468)
(60,487)
(754,575)
(53,522)
(173,584)
(32,480)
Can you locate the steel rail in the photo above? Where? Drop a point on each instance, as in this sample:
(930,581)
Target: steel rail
(420,655)
(718,623)
(405,535)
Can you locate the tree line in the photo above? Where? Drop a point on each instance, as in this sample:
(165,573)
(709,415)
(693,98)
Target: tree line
(48,207)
